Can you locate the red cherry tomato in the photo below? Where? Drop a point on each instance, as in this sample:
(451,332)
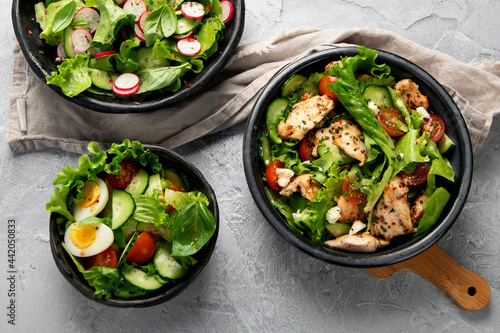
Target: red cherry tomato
(123,178)
(435,126)
(417,177)
(142,250)
(352,195)
(272,176)
(323,90)
(106,258)
(305,149)
(385,117)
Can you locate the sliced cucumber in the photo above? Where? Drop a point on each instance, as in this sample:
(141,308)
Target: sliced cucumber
(338,229)
(275,110)
(445,144)
(146,60)
(102,79)
(139,183)
(292,84)
(154,184)
(378,95)
(166,265)
(339,157)
(176,180)
(162,231)
(127,248)
(123,206)
(185,25)
(140,279)
(68,44)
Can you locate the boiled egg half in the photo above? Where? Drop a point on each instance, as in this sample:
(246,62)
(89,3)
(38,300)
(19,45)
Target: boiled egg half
(88,240)
(97,196)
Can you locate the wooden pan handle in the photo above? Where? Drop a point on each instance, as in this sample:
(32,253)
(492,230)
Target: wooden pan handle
(468,290)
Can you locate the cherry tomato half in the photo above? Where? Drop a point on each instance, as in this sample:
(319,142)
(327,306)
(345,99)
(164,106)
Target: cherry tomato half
(385,117)
(417,177)
(435,126)
(106,258)
(305,149)
(352,195)
(272,176)
(323,90)
(123,178)
(142,250)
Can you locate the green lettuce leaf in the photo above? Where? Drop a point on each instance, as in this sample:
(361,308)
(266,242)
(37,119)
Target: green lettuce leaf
(112,19)
(72,76)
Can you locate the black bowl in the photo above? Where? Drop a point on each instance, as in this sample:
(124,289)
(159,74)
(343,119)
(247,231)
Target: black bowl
(64,263)
(41,58)
(401,248)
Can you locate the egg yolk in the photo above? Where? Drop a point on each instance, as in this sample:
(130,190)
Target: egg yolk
(92,191)
(82,237)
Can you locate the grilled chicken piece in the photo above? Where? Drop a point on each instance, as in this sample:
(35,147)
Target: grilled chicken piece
(331,64)
(392,214)
(417,210)
(303,183)
(305,115)
(363,242)
(411,95)
(349,212)
(346,135)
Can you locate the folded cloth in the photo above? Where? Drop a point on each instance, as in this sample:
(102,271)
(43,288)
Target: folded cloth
(52,121)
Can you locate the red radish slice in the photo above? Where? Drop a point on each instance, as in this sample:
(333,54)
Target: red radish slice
(227,11)
(81,39)
(90,15)
(188,46)
(129,92)
(136,7)
(103,54)
(138,33)
(193,10)
(184,36)
(61,53)
(142,19)
(126,82)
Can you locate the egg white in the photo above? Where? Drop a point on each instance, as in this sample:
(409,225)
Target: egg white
(79,213)
(104,238)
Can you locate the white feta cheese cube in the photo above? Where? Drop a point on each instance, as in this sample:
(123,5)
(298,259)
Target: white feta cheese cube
(423,112)
(373,107)
(333,214)
(284,176)
(356,227)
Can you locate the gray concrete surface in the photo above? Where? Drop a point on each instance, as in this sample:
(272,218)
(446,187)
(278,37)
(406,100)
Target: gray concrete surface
(256,282)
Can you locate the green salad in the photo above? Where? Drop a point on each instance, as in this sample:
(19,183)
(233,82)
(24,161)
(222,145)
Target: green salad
(123,48)
(130,224)
(354,157)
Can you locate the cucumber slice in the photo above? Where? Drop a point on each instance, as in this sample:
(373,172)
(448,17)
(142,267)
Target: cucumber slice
(140,279)
(185,25)
(338,229)
(146,60)
(154,183)
(127,248)
(378,95)
(339,157)
(176,180)
(68,43)
(102,79)
(139,183)
(166,265)
(123,206)
(445,144)
(292,84)
(275,110)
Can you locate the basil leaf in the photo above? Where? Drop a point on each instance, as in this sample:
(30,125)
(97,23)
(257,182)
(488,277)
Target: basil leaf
(63,16)
(160,77)
(160,23)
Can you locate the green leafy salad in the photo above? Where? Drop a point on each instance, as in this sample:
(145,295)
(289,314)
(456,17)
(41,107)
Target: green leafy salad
(123,48)
(129,224)
(354,157)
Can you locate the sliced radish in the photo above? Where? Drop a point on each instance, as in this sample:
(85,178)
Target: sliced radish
(126,82)
(184,36)
(104,54)
(193,10)
(136,7)
(227,11)
(81,39)
(129,92)
(90,15)
(138,33)
(142,19)
(61,53)
(188,46)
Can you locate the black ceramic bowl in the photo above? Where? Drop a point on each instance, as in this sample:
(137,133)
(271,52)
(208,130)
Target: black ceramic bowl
(401,248)
(41,58)
(64,263)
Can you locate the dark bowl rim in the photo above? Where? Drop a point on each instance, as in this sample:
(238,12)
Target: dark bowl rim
(73,276)
(201,80)
(341,258)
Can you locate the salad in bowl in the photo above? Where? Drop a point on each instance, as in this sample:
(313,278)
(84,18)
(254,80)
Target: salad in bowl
(129,226)
(354,159)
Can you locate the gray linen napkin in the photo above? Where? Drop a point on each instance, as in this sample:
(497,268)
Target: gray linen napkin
(54,122)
